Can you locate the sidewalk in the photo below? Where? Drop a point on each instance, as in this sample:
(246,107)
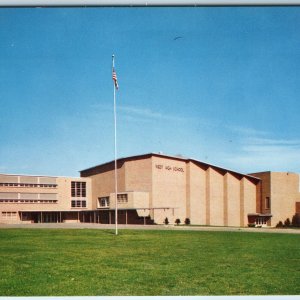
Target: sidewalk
(146,227)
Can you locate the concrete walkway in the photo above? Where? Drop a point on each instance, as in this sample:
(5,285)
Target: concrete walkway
(146,227)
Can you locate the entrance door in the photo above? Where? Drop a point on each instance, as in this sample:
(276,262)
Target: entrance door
(261,221)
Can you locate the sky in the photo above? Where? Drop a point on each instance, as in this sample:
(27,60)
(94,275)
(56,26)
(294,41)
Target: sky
(217,84)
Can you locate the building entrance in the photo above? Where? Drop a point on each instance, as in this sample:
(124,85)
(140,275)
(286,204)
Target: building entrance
(259,220)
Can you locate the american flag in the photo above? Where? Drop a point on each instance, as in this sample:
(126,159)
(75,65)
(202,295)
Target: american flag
(114,77)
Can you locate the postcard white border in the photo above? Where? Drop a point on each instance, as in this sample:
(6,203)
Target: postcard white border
(12,3)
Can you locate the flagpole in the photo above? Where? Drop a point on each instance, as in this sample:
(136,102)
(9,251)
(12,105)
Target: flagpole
(116,175)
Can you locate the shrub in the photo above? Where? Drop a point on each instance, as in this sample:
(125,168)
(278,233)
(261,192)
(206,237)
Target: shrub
(279,225)
(177,221)
(166,221)
(251,225)
(287,222)
(187,221)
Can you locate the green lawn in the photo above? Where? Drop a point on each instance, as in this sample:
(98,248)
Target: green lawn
(58,262)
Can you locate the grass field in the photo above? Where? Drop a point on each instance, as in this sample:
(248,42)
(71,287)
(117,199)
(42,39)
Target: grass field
(57,262)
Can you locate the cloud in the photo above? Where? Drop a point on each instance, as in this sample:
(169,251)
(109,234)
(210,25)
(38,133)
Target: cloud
(246,130)
(133,113)
(148,113)
(265,153)
(275,149)
(265,161)
(273,142)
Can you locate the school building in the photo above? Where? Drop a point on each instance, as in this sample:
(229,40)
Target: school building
(152,188)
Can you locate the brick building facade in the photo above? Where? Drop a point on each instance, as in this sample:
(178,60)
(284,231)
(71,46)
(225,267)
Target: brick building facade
(151,188)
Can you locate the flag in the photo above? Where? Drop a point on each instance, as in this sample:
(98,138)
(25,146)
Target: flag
(114,77)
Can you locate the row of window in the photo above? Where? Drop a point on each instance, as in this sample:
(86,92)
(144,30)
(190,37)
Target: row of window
(9,215)
(78,189)
(26,201)
(104,201)
(74,203)
(29,185)
(78,203)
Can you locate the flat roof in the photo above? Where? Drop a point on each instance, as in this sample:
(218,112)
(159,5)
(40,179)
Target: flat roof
(48,176)
(27,175)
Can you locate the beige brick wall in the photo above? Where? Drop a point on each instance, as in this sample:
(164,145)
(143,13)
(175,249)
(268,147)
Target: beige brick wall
(284,193)
(103,183)
(134,200)
(61,193)
(283,190)
(138,178)
(132,176)
(168,189)
(249,200)
(197,185)
(216,198)
(140,199)
(64,193)
(234,201)
(22,193)
(174,187)
(138,175)
(219,199)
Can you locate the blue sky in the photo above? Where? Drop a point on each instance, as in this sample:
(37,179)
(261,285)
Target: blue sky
(226,92)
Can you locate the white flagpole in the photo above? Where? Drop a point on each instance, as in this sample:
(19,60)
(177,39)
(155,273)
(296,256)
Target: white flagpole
(116,175)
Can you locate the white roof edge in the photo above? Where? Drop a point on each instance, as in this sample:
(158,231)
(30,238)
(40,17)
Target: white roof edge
(229,170)
(6,174)
(174,157)
(27,175)
(203,162)
(289,172)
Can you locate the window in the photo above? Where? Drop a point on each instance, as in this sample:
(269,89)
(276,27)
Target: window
(103,201)
(78,203)
(28,185)
(26,201)
(122,198)
(9,214)
(78,189)
(268,203)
